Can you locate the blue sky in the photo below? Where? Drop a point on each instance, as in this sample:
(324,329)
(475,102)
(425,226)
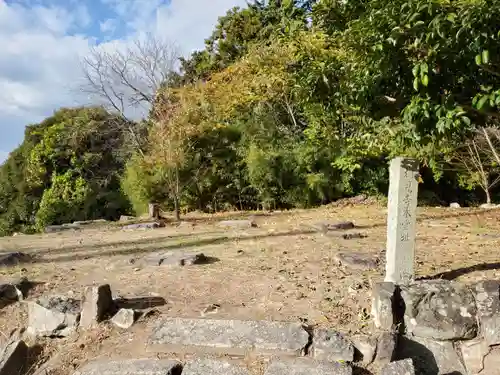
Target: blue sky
(42,43)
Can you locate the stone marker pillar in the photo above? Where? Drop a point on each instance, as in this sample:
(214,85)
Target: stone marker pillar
(401,219)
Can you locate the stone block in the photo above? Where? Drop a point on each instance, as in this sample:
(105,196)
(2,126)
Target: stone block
(487,295)
(306,366)
(357,261)
(124,318)
(404,367)
(97,302)
(131,367)
(491,362)
(430,357)
(202,366)
(386,347)
(153,225)
(14,358)
(329,345)
(53,316)
(383,295)
(366,347)
(233,337)
(473,353)
(440,310)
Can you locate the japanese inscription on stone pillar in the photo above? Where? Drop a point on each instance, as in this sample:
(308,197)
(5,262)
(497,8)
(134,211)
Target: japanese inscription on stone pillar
(401,220)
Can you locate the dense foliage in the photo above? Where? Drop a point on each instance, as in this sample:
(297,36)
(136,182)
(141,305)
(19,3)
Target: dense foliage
(291,104)
(68,168)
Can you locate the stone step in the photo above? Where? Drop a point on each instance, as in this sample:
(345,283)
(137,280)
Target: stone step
(131,367)
(205,366)
(232,337)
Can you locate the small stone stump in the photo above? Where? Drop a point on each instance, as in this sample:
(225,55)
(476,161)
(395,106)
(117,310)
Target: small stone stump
(55,316)
(97,302)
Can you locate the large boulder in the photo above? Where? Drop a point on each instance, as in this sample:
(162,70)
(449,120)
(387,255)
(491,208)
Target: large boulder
(439,310)
(55,316)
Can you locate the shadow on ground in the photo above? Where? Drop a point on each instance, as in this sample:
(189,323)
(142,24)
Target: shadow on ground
(130,250)
(454,274)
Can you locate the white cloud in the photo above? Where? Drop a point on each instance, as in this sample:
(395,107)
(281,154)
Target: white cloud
(41,47)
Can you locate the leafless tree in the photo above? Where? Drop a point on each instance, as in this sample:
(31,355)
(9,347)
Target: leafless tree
(479,159)
(126,78)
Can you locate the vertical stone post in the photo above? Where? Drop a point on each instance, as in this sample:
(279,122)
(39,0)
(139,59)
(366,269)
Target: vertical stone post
(154,211)
(401,220)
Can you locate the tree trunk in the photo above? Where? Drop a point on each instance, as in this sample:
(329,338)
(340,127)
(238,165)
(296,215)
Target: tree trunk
(488,196)
(177,209)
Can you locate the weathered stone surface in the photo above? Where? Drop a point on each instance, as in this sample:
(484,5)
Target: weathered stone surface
(366,347)
(383,295)
(142,226)
(13,358)
(401,220)
(359,261)
(131,367)
(404,367)
(175,258)
(332,346)
(487,295)
(326,226)
(238,224)
(13,259)
(53,316)
(124,318)
(430,357)
(473,353)
(97,302)
(305,366)
(12,291)
(492,362)
(454,205)
(353,236)
(90,222)
(386,348)
(441,310)
(230,336)
(204,366)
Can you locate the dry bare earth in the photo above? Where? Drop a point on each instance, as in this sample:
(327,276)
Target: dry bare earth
(282,270)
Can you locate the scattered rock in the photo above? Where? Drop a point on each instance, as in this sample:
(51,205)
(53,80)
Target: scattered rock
(353,236)
(366,346)
(14,358)
(152,225)
(14,259)
(125,218)
(90,222)
(383,295)
(15,290)
(430,357)
(131,367)
(488,206)
(238,224)
(332,346)
(210,309)
(61,228)
(232,337)
(202,366)
(97,302)
(440,310)
(55,316)
(454,205)
(404,367)
(386,348)
(175,258)
(306,366)
(358,261)
(124,318)
(473,353)
(325,226)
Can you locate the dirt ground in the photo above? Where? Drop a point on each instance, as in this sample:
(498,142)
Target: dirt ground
(281,270)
